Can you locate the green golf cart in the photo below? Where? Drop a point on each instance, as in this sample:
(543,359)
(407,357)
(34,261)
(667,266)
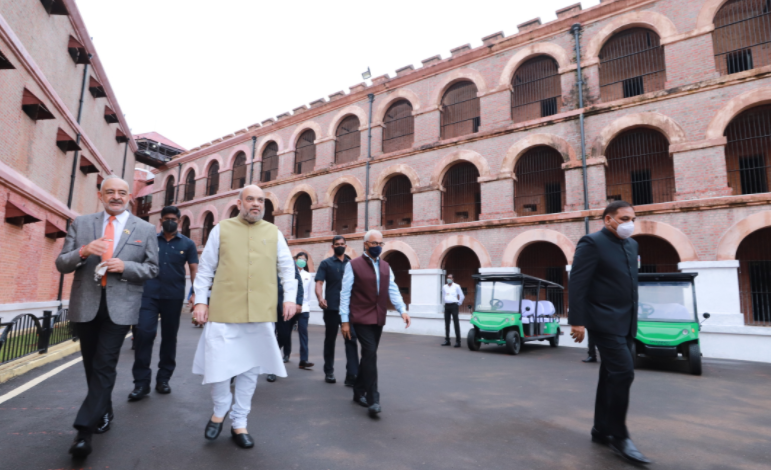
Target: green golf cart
(511,309)
(667,322)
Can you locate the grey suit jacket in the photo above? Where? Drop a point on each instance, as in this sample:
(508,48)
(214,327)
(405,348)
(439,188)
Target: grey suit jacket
(137,248)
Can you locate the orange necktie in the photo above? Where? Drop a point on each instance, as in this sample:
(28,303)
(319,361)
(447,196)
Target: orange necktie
(109,235)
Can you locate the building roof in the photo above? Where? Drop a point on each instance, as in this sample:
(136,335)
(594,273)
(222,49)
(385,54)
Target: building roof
(160,139)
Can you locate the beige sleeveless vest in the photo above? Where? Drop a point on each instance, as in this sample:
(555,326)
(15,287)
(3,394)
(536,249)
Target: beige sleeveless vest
(245,288)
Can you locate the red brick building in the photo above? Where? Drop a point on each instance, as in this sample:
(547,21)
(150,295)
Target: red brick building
(477,158)
(61,132)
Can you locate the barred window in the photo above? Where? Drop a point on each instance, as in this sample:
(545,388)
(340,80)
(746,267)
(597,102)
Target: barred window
(460,111)
(303,217)
(305,155)
(463,263)
(208,225)
(213,180)
(640,170)
(536,90)
(398,127)
(270,162)
(400,266)
(754,255)
(189,192)
(539,187)
(631,63)
(345,210)
(268,217)
(656,255)
(546,260)
(462,196)
(348,140)
(238,180)
(397,203)
(742,35)
(185,226)
(748,152)
(169,196)
(234,212)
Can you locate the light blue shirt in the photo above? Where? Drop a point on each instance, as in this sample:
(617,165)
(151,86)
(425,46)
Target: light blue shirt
(345,294)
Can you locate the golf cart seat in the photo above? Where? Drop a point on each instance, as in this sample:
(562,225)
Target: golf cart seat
(528,311)
(546,308)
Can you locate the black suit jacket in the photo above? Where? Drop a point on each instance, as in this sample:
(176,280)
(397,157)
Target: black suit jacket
(603,284)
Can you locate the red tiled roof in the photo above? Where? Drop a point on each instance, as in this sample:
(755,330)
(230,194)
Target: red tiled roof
(159,138)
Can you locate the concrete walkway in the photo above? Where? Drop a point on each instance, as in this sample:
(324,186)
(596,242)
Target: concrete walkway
(443,408)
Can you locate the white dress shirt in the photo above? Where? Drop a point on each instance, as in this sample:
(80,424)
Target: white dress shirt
(118,225)
(453,294)
(307,288)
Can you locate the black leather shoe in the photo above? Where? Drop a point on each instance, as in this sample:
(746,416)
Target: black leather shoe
(243,441)
(589,359)
(457,344)
(139,392)
(271,378)
(362,400)
(162,387)
(81,447)
(446,342)
(286,359)
(330,379)
(305,365)
(599,438)
(104,424)
(374,409)
(626,449)
(350,380)
(213,429)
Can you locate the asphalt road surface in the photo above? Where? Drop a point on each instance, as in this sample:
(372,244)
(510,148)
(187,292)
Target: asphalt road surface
(443,408)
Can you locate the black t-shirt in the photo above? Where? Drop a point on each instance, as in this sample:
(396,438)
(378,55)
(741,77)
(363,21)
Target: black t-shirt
(331,271)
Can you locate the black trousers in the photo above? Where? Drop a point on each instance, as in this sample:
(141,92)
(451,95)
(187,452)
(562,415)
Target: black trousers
(100,343)
(616,377)
(451,311)
(145,332)
(332,327)
(592,345)
(366,381)
(284,333)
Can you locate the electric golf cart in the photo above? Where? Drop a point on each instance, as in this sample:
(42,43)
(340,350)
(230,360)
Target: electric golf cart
(667,322)
(511,309)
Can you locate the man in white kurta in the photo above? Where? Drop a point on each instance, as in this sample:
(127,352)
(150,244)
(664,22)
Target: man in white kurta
(238,339)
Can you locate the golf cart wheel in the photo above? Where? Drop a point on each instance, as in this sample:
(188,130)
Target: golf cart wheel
(471,339)
(513,342)
(554,342)
(694,359)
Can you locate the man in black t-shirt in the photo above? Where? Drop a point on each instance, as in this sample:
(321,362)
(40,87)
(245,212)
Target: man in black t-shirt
(331,271)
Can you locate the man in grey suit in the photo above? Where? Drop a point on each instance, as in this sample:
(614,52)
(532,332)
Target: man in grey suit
(102,309)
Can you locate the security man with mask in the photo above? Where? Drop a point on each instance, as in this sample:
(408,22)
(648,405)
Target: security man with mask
(163,296)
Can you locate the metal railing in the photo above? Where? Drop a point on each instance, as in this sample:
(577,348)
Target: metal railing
(741,36)
(754,255)
(27,334)
(540,184)
(631,63)
(462,197)
(536,90)
(348,141)
(398,127)
(345,212)
(640,170)
(460,111)
(305,155)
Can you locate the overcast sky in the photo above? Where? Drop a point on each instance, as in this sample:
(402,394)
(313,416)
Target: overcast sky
(195,70)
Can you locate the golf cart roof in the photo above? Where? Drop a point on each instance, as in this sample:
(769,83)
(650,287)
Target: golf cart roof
(667,277)
(527,281)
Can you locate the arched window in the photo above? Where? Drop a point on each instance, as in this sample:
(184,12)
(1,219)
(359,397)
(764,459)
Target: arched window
(168,198)
(185,226)
(545,260)
(462,197)
(748,152)
(397,203)
(742,35)
(239,172)
(268,217)
(656,255)
(639,170)
(536,90)
(460,110)
(305,155)
(540,184)
(345,211)
(754,255)
(398,127)
(302,217)
(400,265)
(463,263)
(190,186)
(234,212)
(348,140)
(631,63)
(270,162)
(208,225)
(213,179)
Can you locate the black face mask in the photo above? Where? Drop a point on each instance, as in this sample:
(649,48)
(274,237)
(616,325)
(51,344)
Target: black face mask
(169,226)
(339,250)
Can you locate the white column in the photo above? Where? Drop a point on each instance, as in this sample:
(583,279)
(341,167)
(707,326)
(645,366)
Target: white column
(717,291)
(426,291)
(499,271)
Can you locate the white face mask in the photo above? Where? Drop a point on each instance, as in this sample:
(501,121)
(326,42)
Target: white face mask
(625,230)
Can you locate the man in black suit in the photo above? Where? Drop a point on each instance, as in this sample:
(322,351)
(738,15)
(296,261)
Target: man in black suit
(603,299)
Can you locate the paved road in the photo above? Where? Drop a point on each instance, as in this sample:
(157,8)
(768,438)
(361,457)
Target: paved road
(443,408)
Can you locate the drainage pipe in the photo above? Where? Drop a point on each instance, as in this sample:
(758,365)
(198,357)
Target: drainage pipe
(576,32)
(369,156)
(251,168)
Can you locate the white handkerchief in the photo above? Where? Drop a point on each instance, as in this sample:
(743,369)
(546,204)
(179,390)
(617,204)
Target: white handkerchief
(101,268)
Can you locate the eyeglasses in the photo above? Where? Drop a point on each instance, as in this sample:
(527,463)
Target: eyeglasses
(376,243)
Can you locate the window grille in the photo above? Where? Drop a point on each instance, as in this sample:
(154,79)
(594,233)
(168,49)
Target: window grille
(463,263)
(462,196)
(460,111)
(270,162)
(303,217)
(348,140)
(398,127)
(631,63)
(238,180)
(536,90)
(742,36)
(189,192)
(540,184)
(754,255)
(305,155)
(268,217)
(144,204)
(639,169)
(345,211)
(397,203)
(34,108)
(78,52)
(546,261)
(96,89)
(5,64)
(656,255)
(185,230)
(168,199)
(213,180)
(400,265)
(208,225)
(748,151)
(110,117)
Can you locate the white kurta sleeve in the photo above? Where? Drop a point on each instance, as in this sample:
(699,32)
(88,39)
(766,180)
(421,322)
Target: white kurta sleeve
(285,266)
(207,265)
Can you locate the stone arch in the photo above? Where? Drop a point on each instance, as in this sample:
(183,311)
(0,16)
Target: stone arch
(235,151)
(729,243)
(343,113)
(404,249)
(388,173)
(659,23)
(208,162)
(515,246)
(733,108)
(441,167)
(311,264)
(671,129)
(707,13)
(295,192)
(190,166)
(204,210)
(229,207)
(189,214)
(273,137)
(313,125)
(451,242)
(676,238)
(535,140)
(273,199)
(329,197)
(166,179)
(550,49)
(400,94)
(456,76)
